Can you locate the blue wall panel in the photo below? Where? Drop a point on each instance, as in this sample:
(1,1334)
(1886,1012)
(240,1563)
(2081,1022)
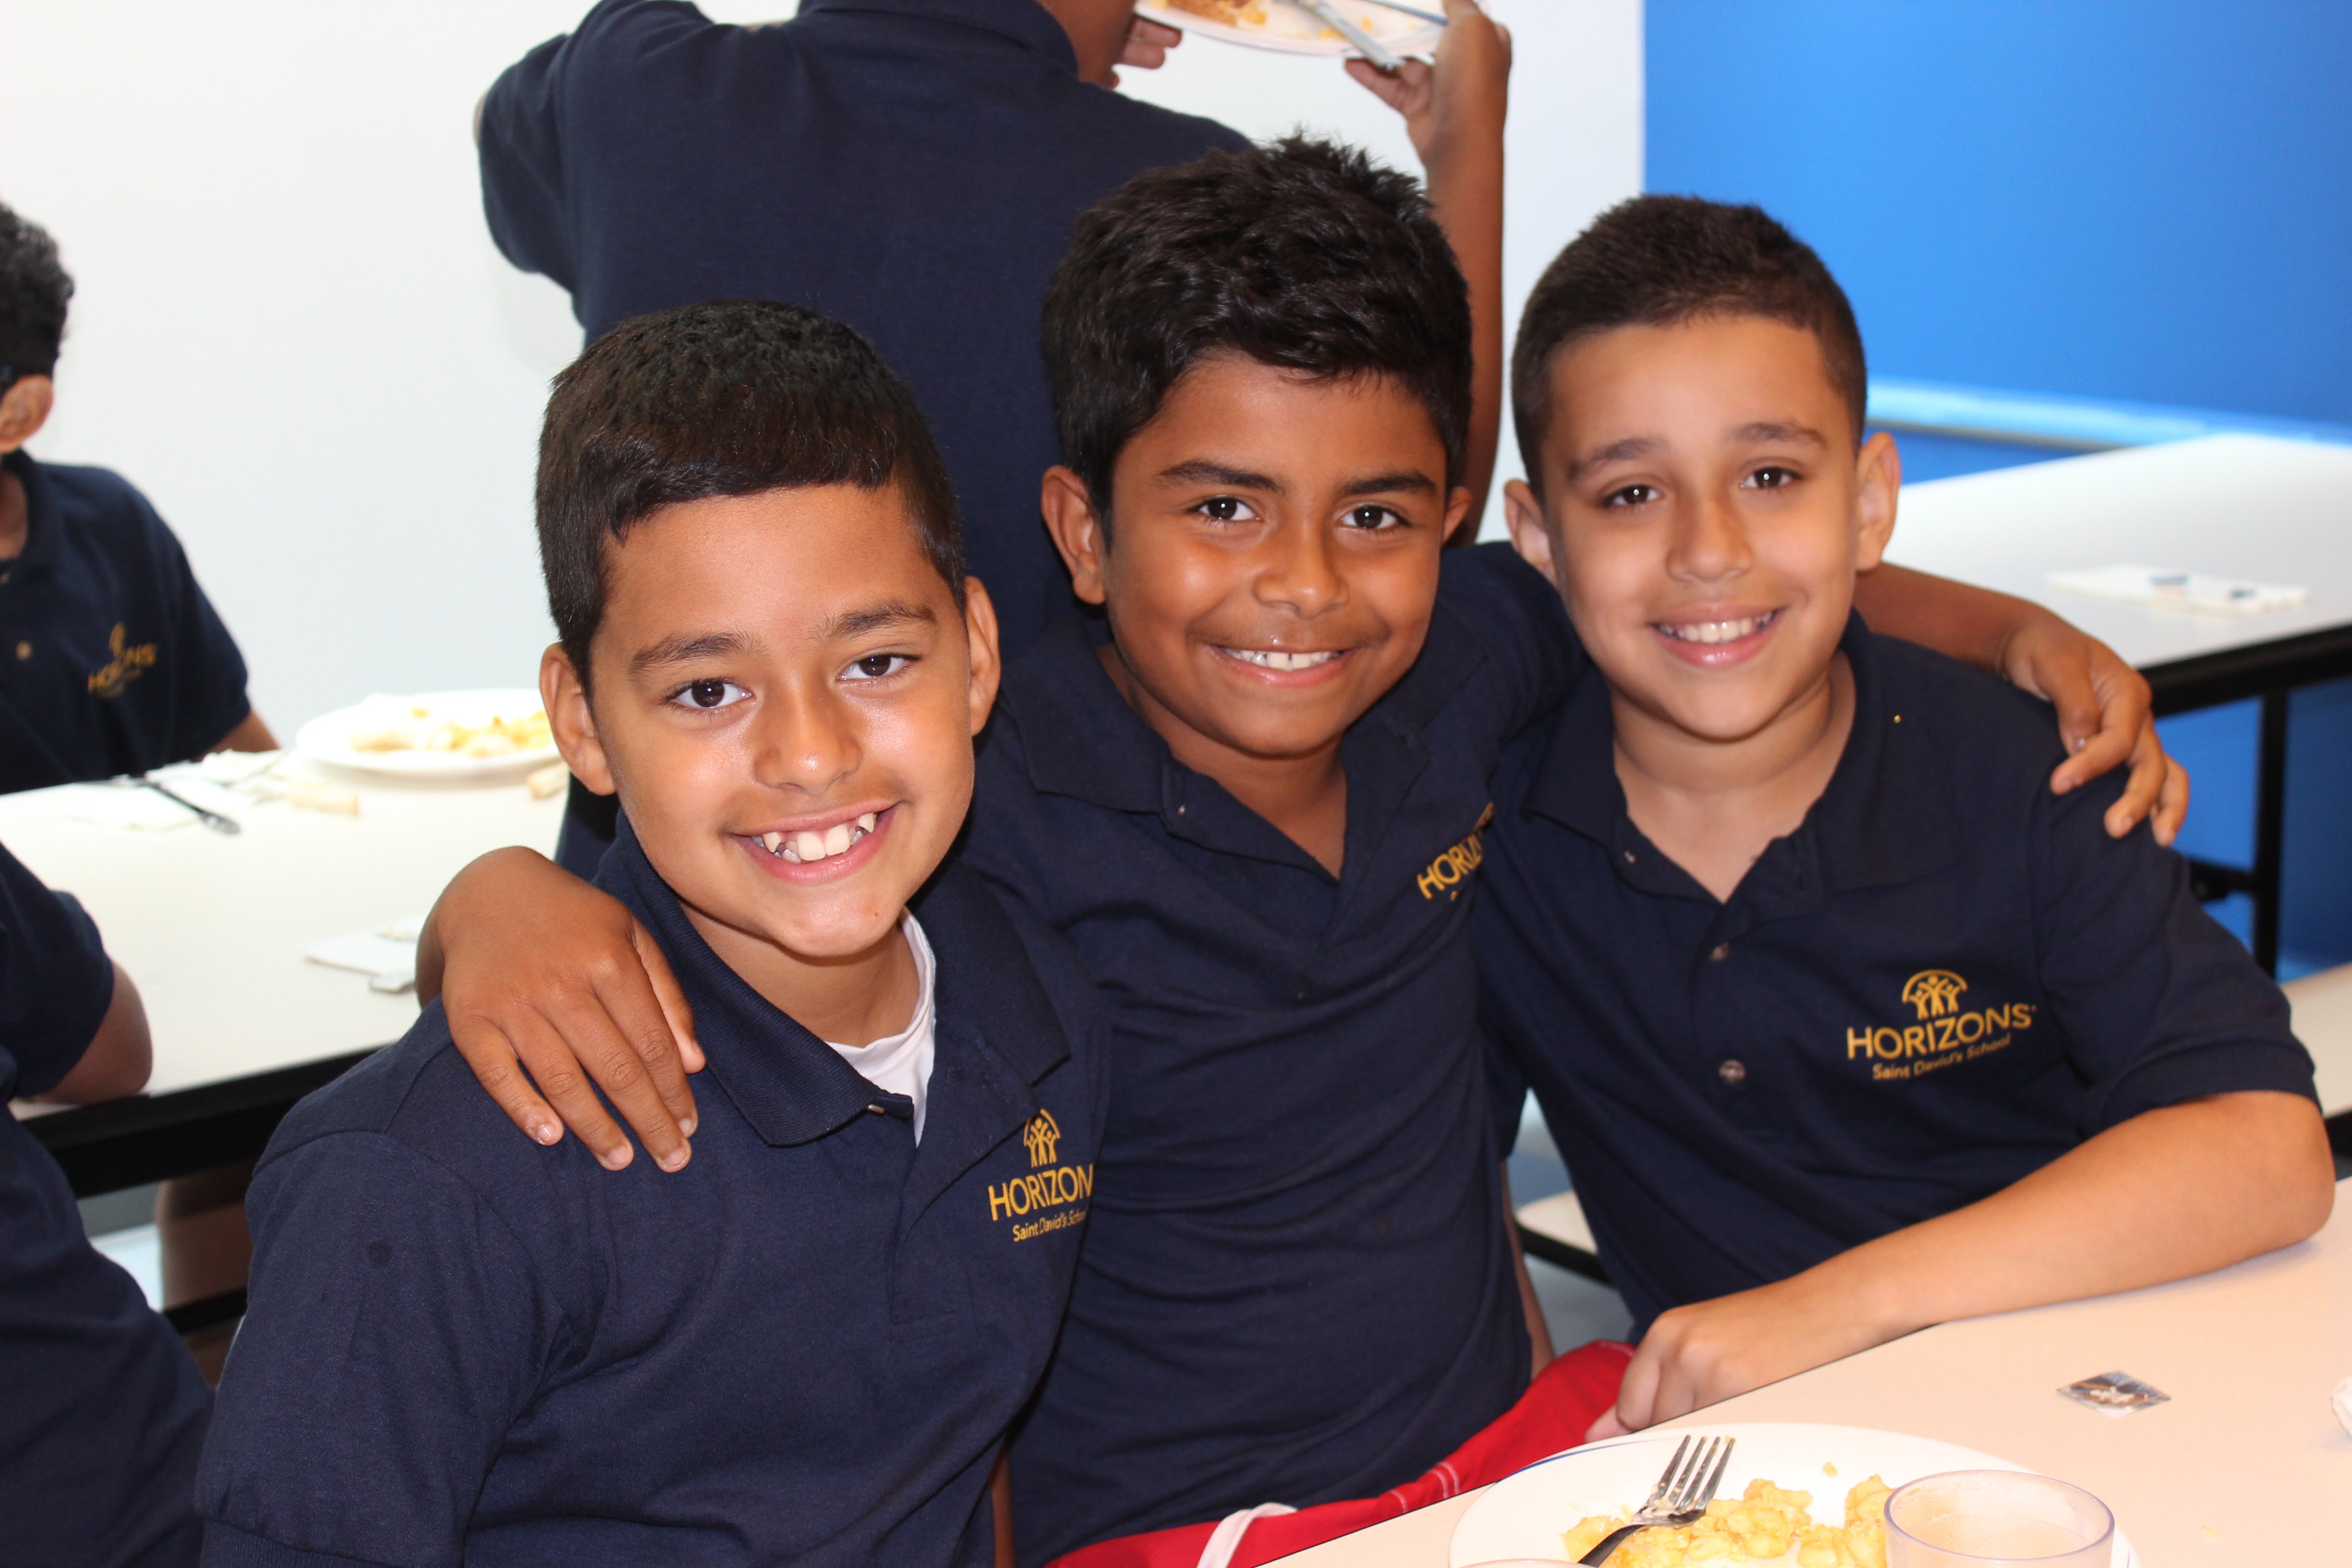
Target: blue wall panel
(2149,200)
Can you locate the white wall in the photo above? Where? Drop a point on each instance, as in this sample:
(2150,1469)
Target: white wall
(293,333)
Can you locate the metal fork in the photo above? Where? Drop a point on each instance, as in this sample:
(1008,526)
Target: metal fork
(1681,1496)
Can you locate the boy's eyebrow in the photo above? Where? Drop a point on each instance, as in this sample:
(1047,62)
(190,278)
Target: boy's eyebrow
(1616,452)
(874,617)
(683,648)
(1202,471)
(1773,430)
(1409,480)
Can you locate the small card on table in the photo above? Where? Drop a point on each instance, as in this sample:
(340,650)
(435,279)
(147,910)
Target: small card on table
(2114,1393)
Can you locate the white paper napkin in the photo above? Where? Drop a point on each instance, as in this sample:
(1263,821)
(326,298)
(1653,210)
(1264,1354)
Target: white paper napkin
(385,955)
(2165,589)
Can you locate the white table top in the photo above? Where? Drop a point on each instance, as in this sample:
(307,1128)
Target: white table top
(212,928)
(2233,506)
(2248,1355)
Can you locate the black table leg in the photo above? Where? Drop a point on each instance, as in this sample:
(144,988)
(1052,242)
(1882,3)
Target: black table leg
(2269,829)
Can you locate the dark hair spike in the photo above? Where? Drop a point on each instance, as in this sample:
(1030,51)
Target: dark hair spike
(1301,255)
(34,289)
(1655,261)
(731,398)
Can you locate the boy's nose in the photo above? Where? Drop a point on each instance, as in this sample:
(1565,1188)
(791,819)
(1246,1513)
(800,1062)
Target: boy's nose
(1300,571)
(808,743)
(1709,543)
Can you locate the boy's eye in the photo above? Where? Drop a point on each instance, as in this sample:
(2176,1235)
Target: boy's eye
(709,694)
(875,666)
(1372,517)
(1631,495)
(1226,509)
(1771,478)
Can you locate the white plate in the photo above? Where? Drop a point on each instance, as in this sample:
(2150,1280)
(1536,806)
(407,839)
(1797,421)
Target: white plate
(328,738)
(1525,1514)
(1293,31)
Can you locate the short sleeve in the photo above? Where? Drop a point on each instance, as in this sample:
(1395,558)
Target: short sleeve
(395,1334)
(521,155)
(1513,614)
(2157,1002)
(56,982)
(208,694)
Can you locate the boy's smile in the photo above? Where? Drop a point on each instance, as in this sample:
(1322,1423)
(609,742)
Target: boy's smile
(1704,512)
(786,696)
(1271,563)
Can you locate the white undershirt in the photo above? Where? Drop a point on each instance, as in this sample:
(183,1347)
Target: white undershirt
(902,1063)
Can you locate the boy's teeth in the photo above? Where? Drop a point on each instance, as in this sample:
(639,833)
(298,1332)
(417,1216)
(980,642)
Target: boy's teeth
(809,845)
(1713,632)
(1275,659)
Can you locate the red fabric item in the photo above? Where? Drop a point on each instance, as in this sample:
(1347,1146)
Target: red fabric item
(1563,1401)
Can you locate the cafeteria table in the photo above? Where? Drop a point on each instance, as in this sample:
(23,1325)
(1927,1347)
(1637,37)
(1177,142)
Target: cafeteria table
(211,929)
(2246,1465)
(2249,507)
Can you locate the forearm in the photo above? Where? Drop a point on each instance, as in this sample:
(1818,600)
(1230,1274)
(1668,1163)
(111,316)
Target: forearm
(2169,1193)
(1539,1332)
(251,734)
(1466,191)
(496,867)
(1972,624)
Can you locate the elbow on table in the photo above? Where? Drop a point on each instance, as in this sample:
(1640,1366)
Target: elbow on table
(2302,1172)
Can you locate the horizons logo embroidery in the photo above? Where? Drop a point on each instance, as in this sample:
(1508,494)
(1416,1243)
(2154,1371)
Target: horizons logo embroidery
(1943,1036)
(1041,1136)
(1934,992)
(1062,1189)
(128,664)
(1449,869)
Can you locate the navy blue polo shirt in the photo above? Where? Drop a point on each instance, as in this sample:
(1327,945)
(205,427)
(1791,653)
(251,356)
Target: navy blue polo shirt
(807,1346)
(111,659)
(102,1411)
(1945,978)
(1297,1284)
(912,167)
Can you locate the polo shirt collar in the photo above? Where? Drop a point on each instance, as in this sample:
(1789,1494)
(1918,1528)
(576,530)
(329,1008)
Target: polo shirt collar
(1885,817)
(44,546)
(995,1026)
(1025,22)
(1083,739)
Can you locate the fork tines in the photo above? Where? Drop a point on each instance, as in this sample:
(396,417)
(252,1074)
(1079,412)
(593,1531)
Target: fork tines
(1694,1482)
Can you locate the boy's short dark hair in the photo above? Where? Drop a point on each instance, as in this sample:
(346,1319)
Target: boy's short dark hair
(34,289)
(1300,255)
(1655,261)
(731,398)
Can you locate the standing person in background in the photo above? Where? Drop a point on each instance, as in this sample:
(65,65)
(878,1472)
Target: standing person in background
(111,659)
(101,1412)
(912,168)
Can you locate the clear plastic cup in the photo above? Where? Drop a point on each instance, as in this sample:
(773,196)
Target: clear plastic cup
(1997,1519)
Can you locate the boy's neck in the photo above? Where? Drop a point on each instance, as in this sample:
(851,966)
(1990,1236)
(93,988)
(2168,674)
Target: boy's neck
(851,1001)
(15,516)
(1305,796)
(1714,806)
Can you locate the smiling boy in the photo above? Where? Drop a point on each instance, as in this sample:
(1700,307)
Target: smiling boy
(463,1346)
(1844,1023)
(1254,806)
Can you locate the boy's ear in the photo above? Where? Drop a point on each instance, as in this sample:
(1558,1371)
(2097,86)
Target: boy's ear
(1457,513)
(24,409)
(1524,515)
(987,664)
(1077,532)
(1878,481)
(573,720)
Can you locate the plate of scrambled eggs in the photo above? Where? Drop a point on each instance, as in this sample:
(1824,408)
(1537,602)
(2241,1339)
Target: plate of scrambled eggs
(438,735)
(1275,25)
(1794,1496)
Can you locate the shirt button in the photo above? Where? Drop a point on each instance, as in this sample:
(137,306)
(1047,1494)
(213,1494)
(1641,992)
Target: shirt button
(877,1110)
(1734,1071)
(1719,952)
(24,650)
